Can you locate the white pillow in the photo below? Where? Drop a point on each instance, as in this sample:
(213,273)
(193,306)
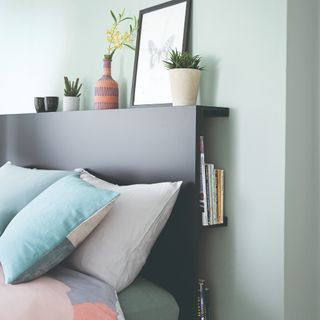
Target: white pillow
(119,247)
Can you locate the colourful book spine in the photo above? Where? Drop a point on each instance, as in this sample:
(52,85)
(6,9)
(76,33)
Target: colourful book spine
(219,212)
(202,299)
(222,196)
(203,306)
(207,303)
(203,193)
(213,195)
(208,190)
(198,305)
(216,184)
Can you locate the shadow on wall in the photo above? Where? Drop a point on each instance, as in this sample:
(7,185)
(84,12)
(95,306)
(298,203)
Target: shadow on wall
(210,76)
(225,262)
(86,102)
(123,86)
(217,246)
(220,248)
(3,138)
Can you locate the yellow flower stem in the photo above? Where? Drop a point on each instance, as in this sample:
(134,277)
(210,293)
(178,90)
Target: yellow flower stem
(114,29)
(125,40)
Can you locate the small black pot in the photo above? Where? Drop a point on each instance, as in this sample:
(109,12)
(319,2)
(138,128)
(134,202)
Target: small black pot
(51,104)
(39,104)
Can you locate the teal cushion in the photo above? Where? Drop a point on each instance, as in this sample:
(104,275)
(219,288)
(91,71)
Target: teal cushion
(49,228)
(19,186)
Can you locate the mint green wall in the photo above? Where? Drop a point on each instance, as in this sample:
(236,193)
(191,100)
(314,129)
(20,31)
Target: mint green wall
(45,40)
(245,43)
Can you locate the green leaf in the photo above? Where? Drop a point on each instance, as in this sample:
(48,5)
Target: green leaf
(111,54)
(76,84)
(182,60)
(80,87)
(127,18)
(113,16)
(128,45)
(67,85)
(72,88)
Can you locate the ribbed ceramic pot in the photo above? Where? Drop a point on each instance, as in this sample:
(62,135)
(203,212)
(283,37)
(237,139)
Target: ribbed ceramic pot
(106,90)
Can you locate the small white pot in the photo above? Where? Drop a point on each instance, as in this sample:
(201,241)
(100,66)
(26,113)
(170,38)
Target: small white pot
(71,103)
(184,86)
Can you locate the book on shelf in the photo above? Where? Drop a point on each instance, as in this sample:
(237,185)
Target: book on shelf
(207,304)
(203,310)
(203,188)
(211,191)
(211,201)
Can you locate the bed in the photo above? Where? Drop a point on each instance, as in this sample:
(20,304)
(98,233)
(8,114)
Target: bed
(70,242)
(70,295)
(127,146)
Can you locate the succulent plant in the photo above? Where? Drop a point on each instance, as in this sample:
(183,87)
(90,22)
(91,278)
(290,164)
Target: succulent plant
(185,60)
(72,88)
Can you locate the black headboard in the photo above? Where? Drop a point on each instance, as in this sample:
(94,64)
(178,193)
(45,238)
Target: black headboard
(126,146)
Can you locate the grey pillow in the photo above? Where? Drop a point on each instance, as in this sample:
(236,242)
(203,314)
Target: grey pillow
(117,250)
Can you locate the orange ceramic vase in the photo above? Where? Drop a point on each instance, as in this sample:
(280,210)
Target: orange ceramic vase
(106,90)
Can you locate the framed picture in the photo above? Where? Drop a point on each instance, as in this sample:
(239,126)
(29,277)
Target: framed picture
(162,28)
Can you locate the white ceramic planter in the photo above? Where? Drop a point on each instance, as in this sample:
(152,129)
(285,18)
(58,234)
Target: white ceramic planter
(184,86)
(71,103)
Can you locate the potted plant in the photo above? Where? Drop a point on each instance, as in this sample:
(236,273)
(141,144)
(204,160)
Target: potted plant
(71,99)
(185,70)
(106,90)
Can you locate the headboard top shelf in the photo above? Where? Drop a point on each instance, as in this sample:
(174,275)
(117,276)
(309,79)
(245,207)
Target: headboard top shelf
(207,111)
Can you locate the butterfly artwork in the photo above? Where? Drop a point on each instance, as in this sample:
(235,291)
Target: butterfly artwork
(158,54)
(162,28)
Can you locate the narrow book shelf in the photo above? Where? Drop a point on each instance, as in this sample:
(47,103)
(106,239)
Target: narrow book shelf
(220,225)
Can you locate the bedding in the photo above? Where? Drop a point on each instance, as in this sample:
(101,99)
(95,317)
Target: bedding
(143,300)
(63,294)
(20,185)
(51,226)
(117,250)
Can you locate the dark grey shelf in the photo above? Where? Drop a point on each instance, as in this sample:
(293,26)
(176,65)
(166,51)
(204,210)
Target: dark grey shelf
(207,111)
(204,111)
(213,112)
(221,225)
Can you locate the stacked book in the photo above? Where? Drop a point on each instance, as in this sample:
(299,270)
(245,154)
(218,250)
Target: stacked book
(203,312)
(211,191)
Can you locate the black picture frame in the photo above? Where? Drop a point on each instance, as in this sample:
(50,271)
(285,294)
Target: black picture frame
(184,47)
